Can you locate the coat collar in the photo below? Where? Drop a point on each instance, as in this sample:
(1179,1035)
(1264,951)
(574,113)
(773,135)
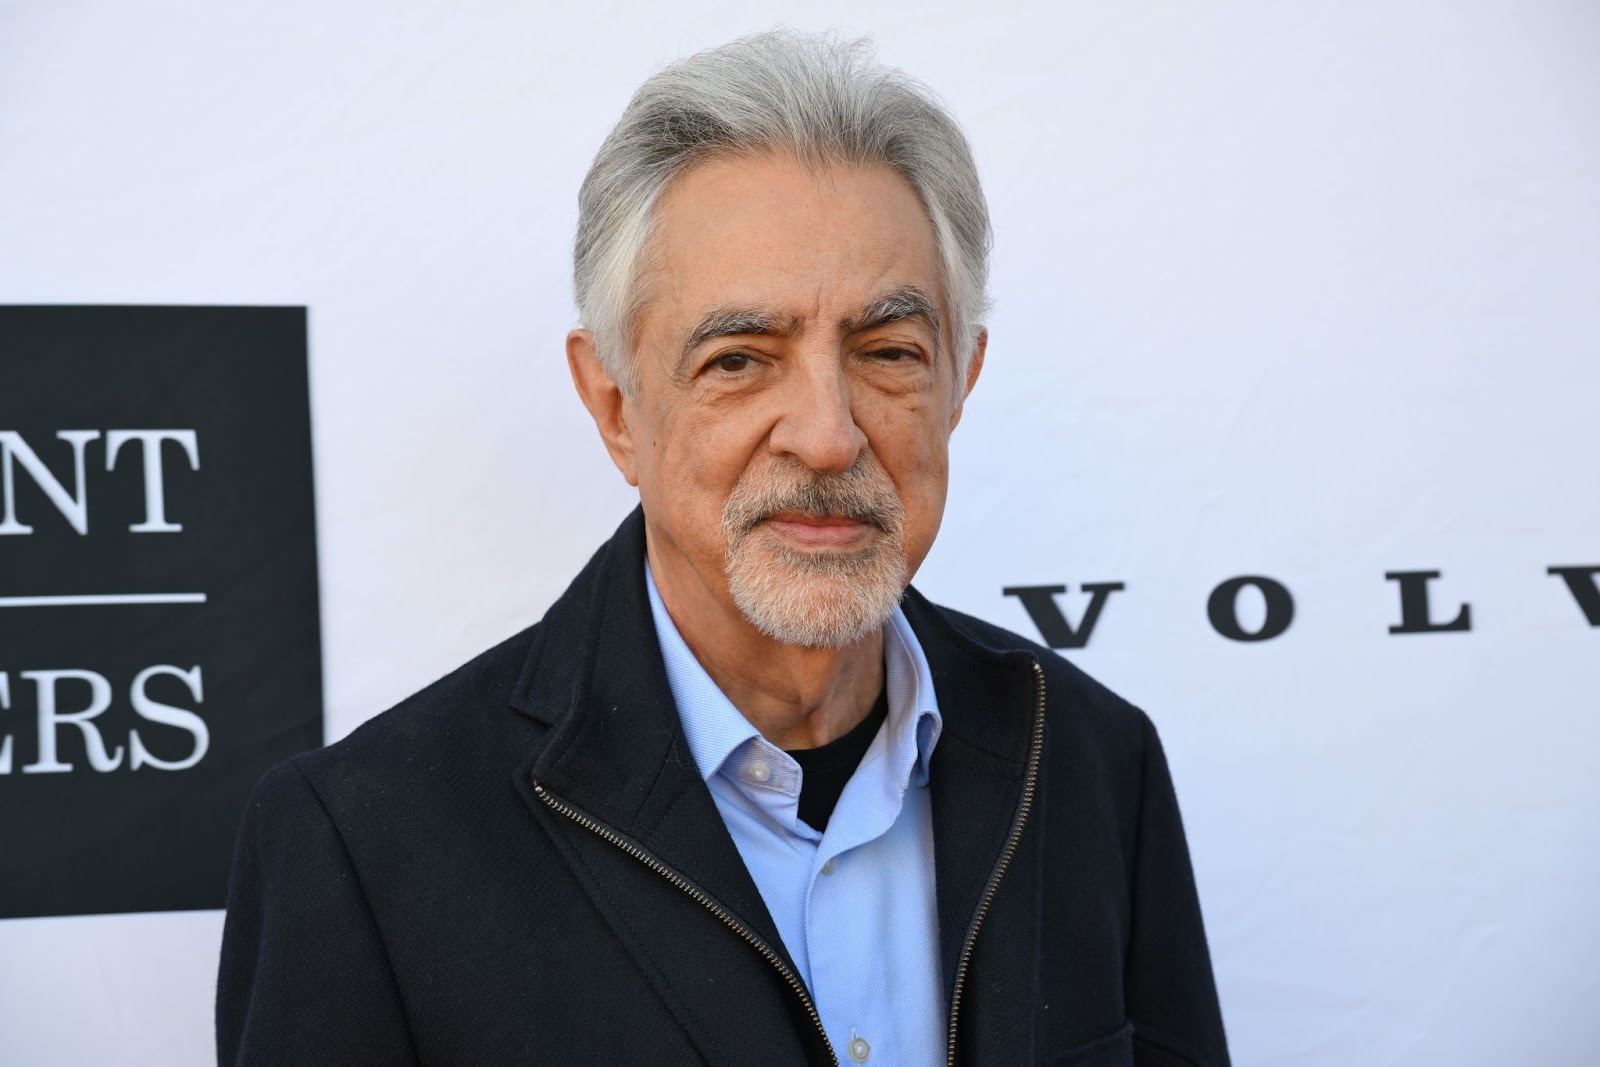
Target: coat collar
(616,749)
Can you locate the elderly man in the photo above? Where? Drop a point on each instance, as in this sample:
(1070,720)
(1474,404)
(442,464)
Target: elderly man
(743,796)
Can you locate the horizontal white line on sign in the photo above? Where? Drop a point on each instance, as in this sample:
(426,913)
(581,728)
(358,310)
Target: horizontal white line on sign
(106,598)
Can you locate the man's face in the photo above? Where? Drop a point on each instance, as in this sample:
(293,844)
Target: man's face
(795,398)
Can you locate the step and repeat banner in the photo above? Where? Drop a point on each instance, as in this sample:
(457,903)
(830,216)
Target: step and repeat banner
(1287,432)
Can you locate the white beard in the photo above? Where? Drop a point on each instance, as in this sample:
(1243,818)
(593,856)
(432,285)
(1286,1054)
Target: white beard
(827,598)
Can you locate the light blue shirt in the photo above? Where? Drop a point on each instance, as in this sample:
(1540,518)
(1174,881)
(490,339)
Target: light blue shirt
(856,905)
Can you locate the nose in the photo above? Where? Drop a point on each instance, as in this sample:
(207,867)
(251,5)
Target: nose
(816,425)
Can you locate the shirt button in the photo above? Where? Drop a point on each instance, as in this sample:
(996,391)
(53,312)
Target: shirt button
(827,868)
(859,1049)
(760,771)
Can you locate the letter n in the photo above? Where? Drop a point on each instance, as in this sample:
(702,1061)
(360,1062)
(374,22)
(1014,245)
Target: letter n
(75,505)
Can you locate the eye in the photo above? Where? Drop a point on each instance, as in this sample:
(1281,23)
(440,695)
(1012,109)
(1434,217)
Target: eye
(895,355)
(730,362)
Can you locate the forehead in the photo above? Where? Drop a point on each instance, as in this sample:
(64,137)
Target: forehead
(767,232)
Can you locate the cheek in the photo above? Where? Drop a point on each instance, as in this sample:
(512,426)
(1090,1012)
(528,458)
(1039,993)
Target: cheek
(926,493)
(914,452)
(923,496)
(696,462)
(701,453)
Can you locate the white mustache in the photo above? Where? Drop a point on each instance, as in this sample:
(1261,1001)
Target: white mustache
(863,494)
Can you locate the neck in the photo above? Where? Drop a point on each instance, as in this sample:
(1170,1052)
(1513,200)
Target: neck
(797,696)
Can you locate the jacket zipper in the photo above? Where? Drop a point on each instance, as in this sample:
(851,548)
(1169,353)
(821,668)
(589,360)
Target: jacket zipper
(701,897)
(1005,861)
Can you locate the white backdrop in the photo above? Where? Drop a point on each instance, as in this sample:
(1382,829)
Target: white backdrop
(1304,290)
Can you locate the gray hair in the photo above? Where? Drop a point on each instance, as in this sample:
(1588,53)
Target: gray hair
(823,100)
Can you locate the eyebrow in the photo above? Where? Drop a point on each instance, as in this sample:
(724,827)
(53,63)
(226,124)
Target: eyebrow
(736,322)
(906,302)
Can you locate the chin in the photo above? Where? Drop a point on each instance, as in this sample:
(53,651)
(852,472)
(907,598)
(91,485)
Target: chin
(817,599)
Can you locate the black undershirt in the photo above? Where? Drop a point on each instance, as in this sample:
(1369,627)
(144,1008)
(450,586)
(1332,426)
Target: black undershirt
(825,770)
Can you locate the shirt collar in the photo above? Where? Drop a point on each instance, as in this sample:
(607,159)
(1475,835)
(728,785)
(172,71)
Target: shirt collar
(715,728)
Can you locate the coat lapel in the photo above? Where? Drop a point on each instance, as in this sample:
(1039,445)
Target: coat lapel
(988,701)
(616,750)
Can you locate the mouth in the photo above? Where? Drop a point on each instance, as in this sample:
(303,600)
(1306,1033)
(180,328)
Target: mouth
(821,531)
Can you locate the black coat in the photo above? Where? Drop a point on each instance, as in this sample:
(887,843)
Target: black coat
(521,864)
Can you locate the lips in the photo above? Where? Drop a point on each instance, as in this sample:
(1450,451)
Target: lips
(821,531)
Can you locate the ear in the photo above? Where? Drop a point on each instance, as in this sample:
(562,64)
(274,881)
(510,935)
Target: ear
(974,368)
(603,397)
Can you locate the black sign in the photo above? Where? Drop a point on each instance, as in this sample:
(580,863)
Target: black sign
(159,645)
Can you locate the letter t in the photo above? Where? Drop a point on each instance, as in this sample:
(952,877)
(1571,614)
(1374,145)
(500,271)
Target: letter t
(155,496)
